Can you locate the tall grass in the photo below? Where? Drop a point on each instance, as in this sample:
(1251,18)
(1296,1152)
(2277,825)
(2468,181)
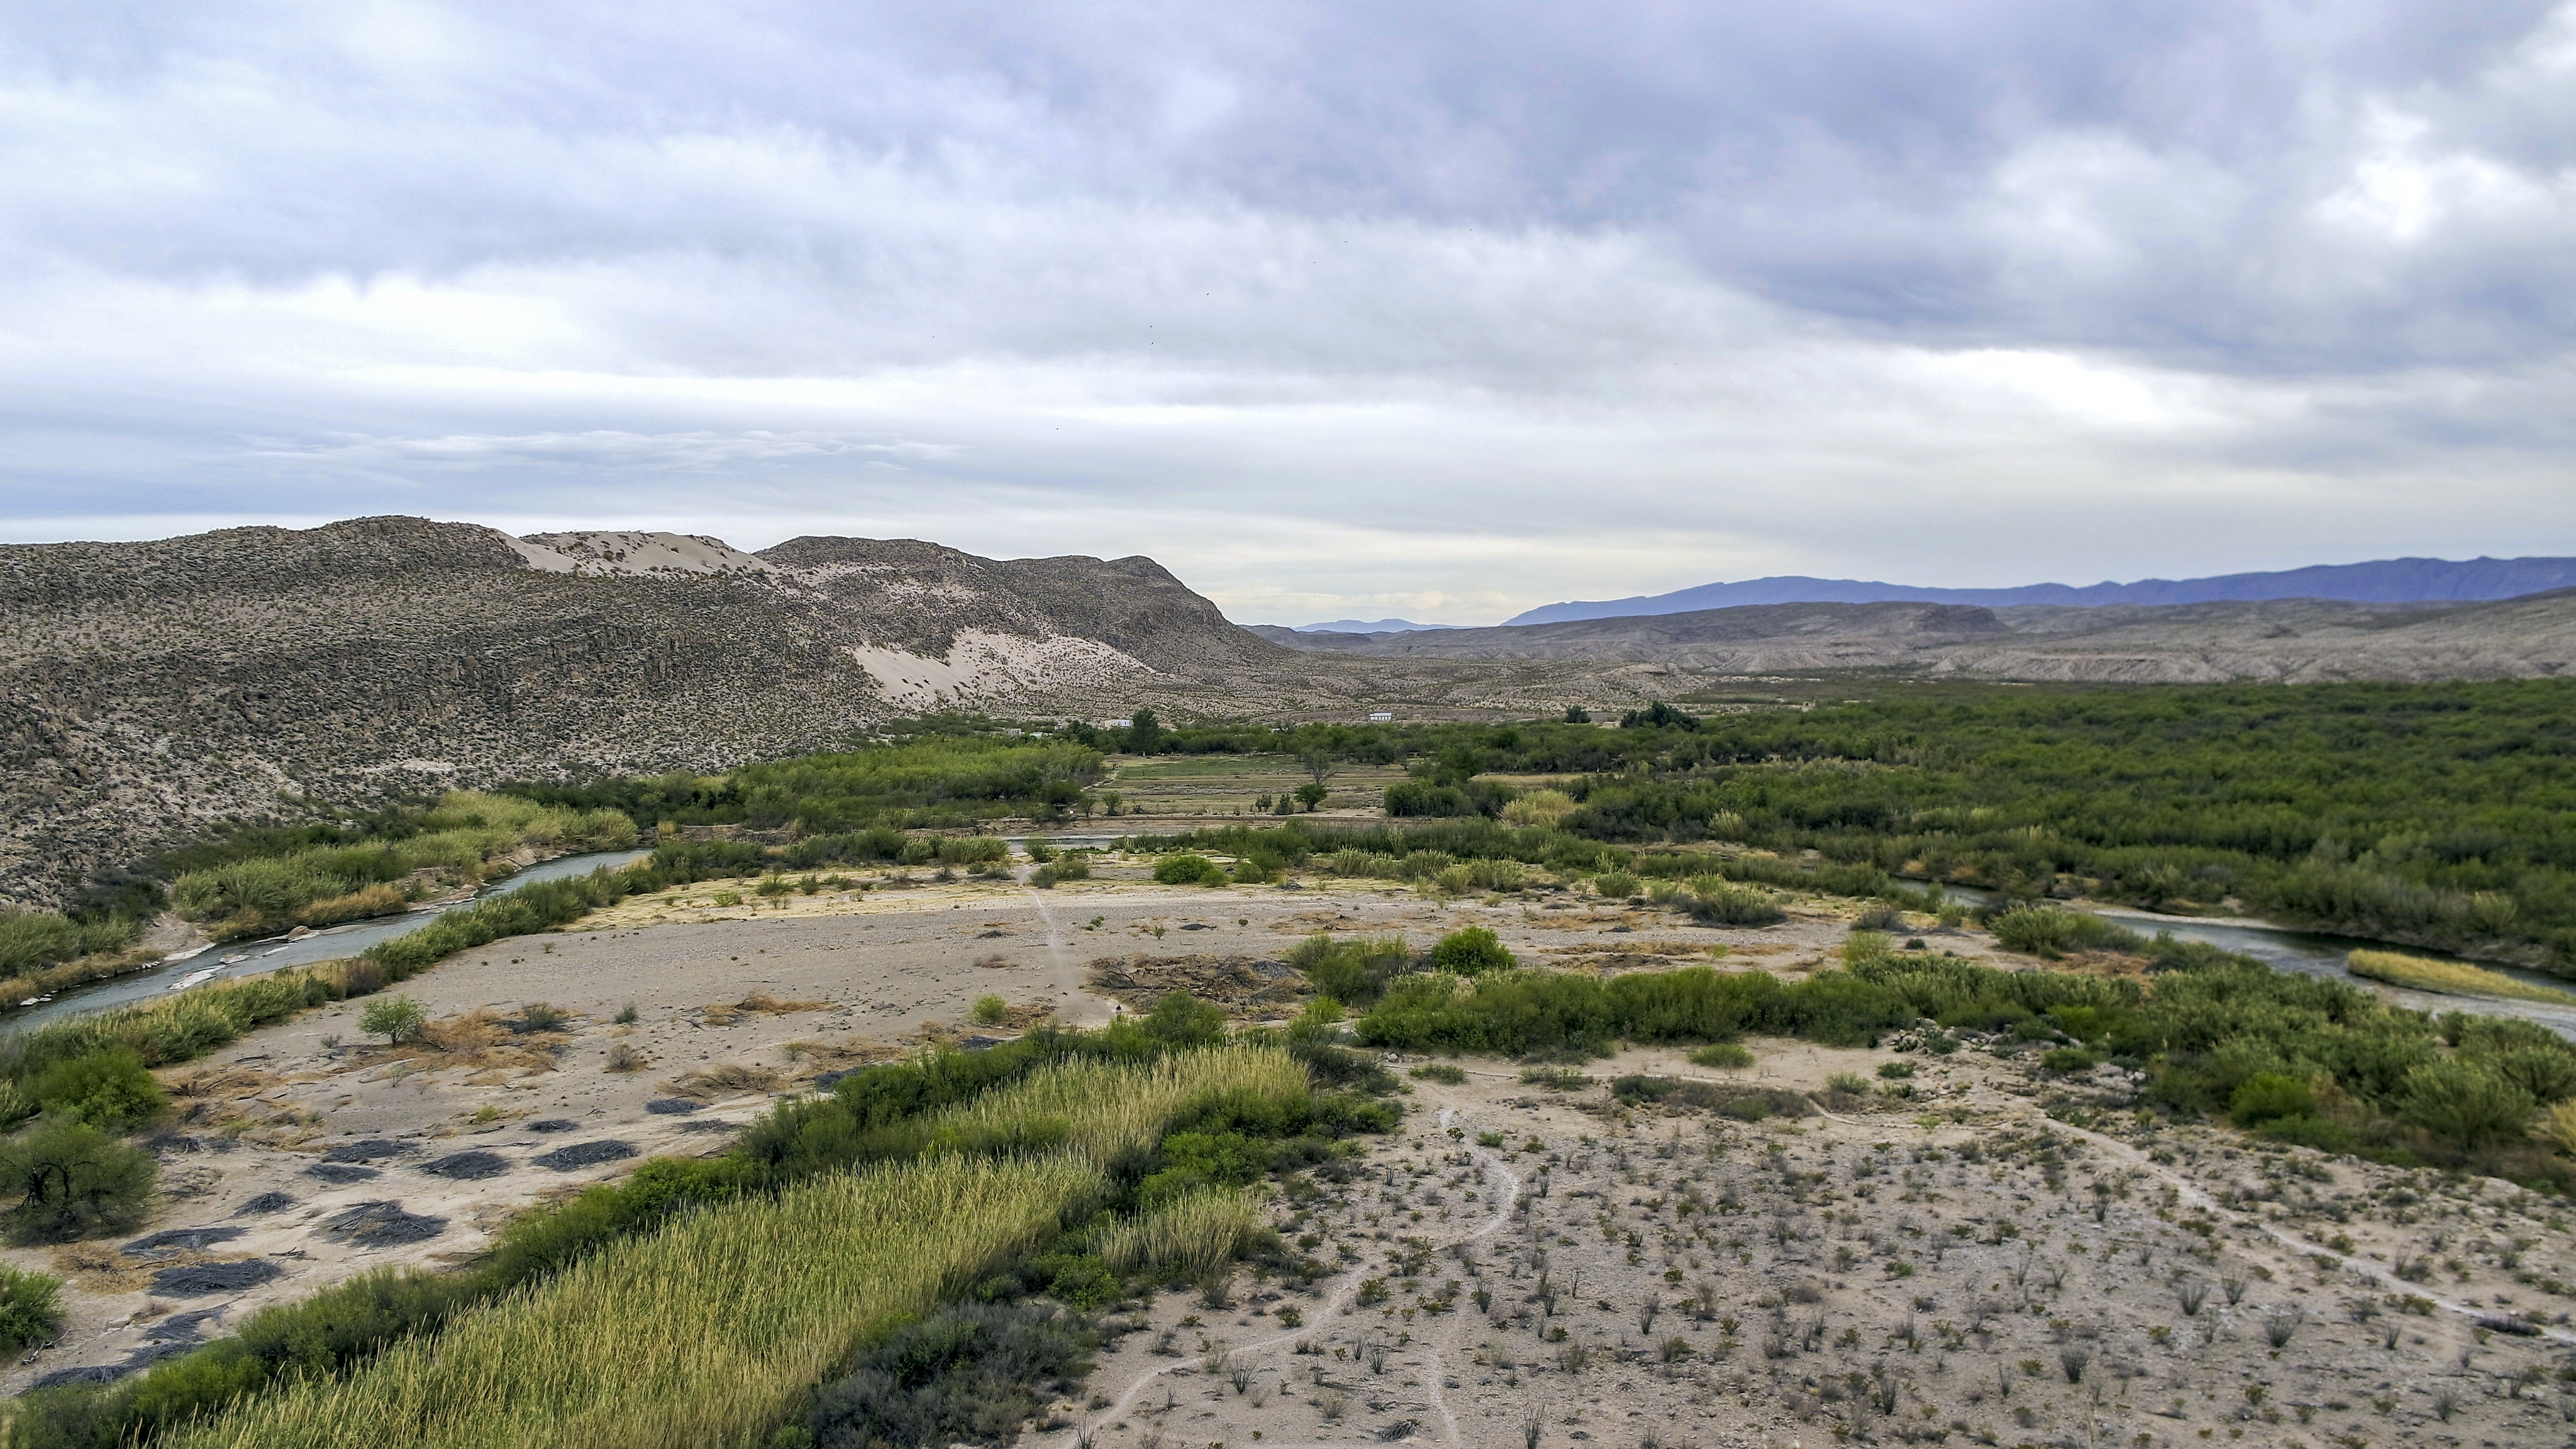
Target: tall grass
(706,1332)
(1198,1234)
(2449,978)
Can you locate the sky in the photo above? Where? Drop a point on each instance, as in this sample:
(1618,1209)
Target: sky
(1437,310)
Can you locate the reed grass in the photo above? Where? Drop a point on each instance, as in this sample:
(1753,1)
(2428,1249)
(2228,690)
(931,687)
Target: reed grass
(708,1331)
(2448,978)
(1199,1234)
(703,1334)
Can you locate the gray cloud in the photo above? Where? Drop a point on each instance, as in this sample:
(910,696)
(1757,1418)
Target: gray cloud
(1430,306)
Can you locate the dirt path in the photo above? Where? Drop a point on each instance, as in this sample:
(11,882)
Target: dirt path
(1337,1304)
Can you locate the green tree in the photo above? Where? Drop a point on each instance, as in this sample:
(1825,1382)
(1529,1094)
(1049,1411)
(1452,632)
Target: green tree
(1577,714)
(75,1181)
(1311,795)
(1144,733)
(395,1018)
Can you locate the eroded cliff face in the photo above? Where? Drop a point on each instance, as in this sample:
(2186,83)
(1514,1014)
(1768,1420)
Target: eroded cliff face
(152,688)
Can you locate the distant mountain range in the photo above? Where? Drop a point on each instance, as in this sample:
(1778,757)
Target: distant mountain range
(1367,626)
(2385,581)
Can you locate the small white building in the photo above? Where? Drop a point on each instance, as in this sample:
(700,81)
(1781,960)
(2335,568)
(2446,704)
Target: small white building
(1382,716)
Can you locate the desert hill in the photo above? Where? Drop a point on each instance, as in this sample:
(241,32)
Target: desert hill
(152,687)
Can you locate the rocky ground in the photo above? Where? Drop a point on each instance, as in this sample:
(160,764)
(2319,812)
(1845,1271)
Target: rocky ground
(1932,1257)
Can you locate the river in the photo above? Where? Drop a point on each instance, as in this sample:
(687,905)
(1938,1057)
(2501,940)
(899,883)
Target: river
(2312,954)
(243,958)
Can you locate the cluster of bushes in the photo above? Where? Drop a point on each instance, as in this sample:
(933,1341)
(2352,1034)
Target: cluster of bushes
(1527,1012)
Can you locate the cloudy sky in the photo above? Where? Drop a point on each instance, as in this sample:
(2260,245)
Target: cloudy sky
(1442,310)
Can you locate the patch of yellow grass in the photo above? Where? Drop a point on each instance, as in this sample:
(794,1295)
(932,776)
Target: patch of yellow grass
(707,1332)
(2449,978)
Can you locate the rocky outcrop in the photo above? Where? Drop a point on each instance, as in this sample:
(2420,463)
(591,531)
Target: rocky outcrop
(153,688)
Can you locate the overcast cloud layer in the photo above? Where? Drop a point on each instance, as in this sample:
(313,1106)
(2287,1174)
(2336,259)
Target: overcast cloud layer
(1433,310)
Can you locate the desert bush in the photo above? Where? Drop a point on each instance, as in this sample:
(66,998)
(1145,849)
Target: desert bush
(1716,900)
(1472,951)
(1354,970)
(967,1373)
(1188,870)
(1614,885)
(536,1016)
(108,1089)
(1849,1082)
(1721,1054)
(2266,1096)
(1062,868)
(991,1010)
(1441,1072)
(2463,1105)
(395,1018)
(73,1181)
(2049,932)
(30,1308)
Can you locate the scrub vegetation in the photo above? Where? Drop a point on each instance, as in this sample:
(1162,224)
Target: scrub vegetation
(1069,1164)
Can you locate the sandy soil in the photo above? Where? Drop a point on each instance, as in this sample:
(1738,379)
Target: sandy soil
(1534,1267)
(737,1005)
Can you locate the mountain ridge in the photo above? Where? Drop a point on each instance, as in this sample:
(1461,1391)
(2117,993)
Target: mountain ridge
(2378,581)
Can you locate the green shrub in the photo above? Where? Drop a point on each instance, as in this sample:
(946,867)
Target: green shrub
(1896,1071)
(1748,1109)
(1715,900)
(1852,1082)
(1722,1054)
(395,1018)
(992,1010)
(2462,1105)
(1472,952)
(108,1088)
(1188,870)
(74,1181)
(2316,1132)
(1613,885)
(2267,1096)
(2069,1059)
(968,1373)
(2049,932)
(1441,1072)
(30,1308)
(1354,971)
(1062,868)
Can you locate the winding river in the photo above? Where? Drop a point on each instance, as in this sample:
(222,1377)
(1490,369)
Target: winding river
(242,958)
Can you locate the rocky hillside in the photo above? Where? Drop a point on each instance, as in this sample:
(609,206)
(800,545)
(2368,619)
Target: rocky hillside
(153,687)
